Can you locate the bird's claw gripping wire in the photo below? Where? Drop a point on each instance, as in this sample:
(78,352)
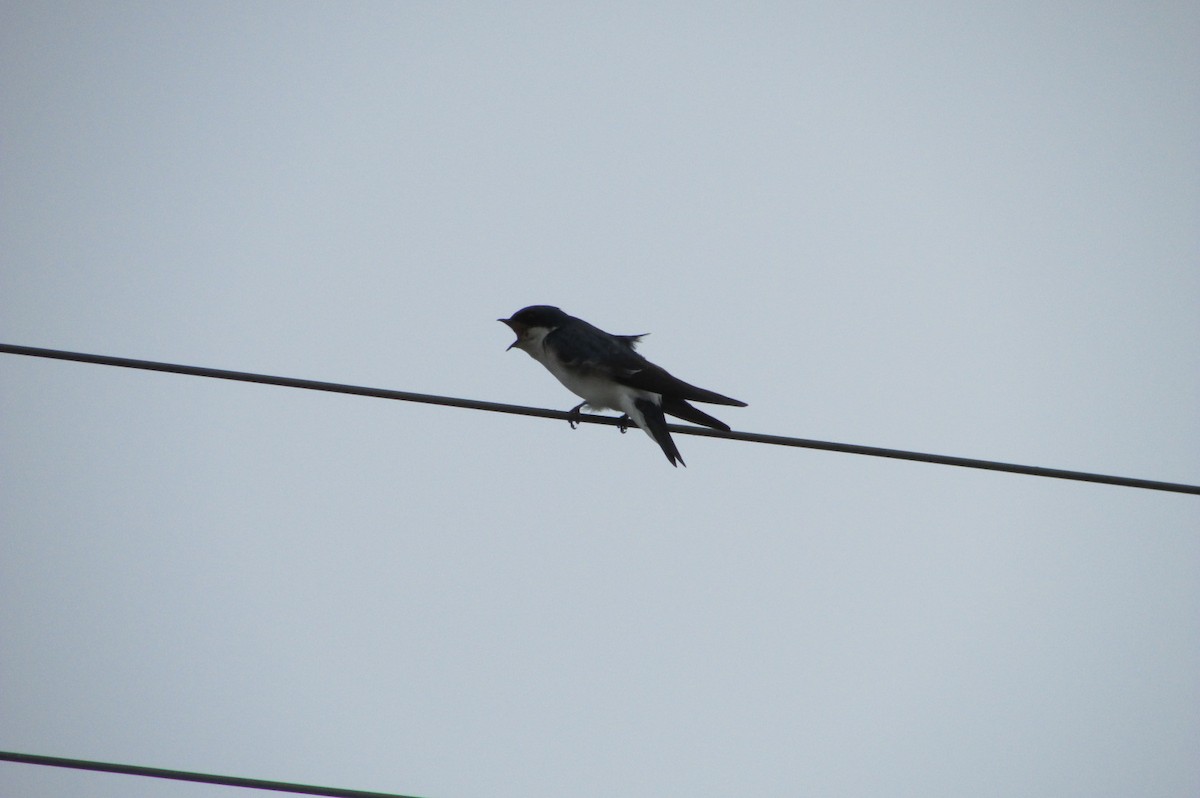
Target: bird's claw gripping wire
(574,418)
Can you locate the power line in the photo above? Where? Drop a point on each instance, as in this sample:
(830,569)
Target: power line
(185,775)
(497,407)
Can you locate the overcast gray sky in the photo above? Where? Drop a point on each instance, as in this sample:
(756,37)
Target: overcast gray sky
(965,228)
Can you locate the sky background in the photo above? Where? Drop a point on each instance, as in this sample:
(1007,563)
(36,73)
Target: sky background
(963,228)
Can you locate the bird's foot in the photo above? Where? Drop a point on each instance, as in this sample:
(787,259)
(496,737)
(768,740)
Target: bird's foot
(573,415)
(623,423)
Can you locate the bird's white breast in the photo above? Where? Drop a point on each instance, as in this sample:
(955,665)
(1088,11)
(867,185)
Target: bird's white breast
(599,393)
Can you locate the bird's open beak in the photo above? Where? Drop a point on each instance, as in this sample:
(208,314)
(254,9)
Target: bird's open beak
(515,327)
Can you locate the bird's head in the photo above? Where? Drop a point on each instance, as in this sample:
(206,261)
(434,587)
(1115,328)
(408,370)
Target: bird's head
(533,323)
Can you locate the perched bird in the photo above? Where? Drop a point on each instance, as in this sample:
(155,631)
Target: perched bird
(605,371)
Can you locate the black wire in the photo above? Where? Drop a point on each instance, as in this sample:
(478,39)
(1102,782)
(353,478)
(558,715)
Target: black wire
(184,775)
(496,407)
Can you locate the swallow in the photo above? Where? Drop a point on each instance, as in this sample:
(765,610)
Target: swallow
(607,373)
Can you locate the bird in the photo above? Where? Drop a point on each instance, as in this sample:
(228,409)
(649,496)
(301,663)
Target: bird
(607,373)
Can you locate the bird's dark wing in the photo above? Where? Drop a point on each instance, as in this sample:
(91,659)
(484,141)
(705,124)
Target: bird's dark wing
(584,347)
(588,348)
(657,380)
